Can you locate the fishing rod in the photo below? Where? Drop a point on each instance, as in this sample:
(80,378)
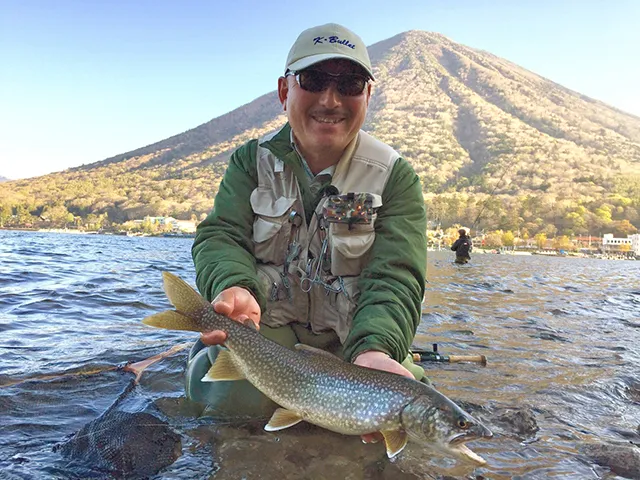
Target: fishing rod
(136,368)
(434,356)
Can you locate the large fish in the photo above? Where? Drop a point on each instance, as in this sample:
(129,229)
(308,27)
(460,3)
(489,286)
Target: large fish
(317,387)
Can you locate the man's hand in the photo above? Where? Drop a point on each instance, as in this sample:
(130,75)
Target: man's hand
(379,361)
(236,303)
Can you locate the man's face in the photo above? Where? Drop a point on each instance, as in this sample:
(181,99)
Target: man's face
(324,121)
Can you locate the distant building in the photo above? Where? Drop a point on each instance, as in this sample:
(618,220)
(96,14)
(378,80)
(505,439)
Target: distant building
(162,220)
(635,244)
(186,226)
(183,226)
(612,244)
(588,241)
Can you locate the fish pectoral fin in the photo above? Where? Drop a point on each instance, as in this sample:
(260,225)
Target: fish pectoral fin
(301,347)
(182,296)
(395,441)
(281,419)
(223,369)
(172,320)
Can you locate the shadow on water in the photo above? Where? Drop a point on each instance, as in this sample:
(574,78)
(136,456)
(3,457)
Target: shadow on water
(561,390)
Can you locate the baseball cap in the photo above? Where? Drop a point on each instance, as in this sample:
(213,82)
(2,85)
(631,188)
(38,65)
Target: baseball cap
(325,42)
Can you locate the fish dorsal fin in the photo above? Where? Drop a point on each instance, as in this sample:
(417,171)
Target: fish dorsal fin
(223,369)
(172,320)
(301,347)
(395,441)
(182,296)
(281,419)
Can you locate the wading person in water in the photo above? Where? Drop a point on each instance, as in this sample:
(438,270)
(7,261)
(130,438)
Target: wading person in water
(462,246)
(318,231)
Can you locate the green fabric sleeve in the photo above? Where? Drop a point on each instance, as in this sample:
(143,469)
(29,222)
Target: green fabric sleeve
(392,284)
(223,249)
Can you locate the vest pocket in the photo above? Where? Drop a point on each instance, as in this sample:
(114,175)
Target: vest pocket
(334,311)
(284,306)
(349,247)
(271,226)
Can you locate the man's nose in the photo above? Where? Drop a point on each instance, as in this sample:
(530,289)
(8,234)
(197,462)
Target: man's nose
(330,97)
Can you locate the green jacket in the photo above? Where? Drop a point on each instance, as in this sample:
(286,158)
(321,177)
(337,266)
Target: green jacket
(391,285)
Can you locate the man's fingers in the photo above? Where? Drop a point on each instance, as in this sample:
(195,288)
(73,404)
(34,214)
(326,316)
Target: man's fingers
(400,370)
(216,337)
(381,361)
(371,437)
(223,308)
(238,304)
(241,318)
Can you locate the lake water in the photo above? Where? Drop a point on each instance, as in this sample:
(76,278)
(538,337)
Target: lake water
(562,338)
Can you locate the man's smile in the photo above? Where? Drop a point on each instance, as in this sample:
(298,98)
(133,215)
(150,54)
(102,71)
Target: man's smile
(332,120)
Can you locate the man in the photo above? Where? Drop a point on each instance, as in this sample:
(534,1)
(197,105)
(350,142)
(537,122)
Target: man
(318,233)
(462,246)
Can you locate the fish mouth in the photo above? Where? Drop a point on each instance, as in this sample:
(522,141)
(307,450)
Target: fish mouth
(465,453)
(457,447)
(458,439)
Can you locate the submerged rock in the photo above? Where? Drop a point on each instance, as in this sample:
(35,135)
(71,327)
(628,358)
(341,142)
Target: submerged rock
(622,459)
(519,421)
(508,420)
(246,450)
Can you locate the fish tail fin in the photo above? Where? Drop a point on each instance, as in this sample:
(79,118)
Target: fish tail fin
(191,307)
(172,320)
(183,296)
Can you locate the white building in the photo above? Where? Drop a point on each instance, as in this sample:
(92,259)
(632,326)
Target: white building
(186,226)
(611,244)
(161,220)
(635,244)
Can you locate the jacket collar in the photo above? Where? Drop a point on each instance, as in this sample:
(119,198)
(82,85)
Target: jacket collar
(280,143)
(280,146)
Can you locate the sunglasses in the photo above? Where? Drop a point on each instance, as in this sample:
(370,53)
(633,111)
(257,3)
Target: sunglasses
(316,81)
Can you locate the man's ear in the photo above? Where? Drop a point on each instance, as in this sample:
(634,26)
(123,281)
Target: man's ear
(369,86)
(283,91)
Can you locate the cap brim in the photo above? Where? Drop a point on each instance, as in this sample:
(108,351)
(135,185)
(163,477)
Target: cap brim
(313,59)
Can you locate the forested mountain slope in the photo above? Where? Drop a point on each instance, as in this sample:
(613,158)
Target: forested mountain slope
(488,138)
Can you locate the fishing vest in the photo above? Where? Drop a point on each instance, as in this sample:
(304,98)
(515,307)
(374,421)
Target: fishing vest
(310,272)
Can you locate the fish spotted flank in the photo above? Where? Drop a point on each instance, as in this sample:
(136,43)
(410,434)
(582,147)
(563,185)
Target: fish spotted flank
(315,386)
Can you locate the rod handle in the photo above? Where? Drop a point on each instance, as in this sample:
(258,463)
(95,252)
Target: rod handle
(481,359)
(468,358)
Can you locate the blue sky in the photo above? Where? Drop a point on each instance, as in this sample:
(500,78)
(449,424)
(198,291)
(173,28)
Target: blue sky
(84,80)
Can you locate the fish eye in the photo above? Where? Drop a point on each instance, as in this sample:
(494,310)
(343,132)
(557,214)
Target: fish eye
(463,424)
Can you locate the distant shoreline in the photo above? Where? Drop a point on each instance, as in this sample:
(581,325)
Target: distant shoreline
(476,251)
(85,232)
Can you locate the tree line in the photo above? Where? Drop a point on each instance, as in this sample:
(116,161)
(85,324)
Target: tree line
(528,215)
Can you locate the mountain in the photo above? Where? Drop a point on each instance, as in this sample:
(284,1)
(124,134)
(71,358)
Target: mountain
(496,146)
(3,179)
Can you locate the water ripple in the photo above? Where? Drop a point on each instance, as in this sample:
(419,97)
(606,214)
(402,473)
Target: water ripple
(561,335)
